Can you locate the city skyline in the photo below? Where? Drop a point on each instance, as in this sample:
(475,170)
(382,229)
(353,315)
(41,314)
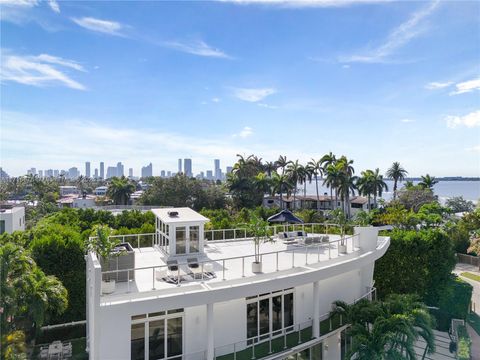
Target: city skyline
(377,81)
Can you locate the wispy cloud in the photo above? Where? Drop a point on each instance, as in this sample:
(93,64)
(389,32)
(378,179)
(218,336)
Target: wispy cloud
(268,106)
(216,99)
(245,132)
(19,3)
(54,6)
(466,86)
(253,94)
(398,38)
(470,120)
(197,47)
(407,121)
(305,3)
(438,85)
(41,70)
(475,148)
(104,26)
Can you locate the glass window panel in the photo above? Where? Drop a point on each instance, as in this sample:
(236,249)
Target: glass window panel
(174,336)
(277,313)
(166,229)
(136,317)
(137,342)
(181,241)
(160,313)
(252,320)
(264,310)
(174,311)
(156,339)
(194,238)
(288,309)
(317,352)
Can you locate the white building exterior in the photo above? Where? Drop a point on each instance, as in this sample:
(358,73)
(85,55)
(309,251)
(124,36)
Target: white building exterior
(12,218)
(68,190)
(101,190)
(220,309)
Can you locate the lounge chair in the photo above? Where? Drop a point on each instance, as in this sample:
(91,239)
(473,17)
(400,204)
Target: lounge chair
(172,265)
(194,266)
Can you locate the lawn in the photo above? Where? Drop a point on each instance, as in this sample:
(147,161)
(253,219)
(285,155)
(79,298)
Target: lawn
(471,276)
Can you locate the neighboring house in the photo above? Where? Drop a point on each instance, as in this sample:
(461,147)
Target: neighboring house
(197,299)
(66,190)
(135,197)
(12,218)
(77,202)
(325,202)
(101,191)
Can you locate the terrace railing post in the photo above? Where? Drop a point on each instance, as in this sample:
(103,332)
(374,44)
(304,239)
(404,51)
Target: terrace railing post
(277,260)
(329,251)
(299,334)
(153,278)
(234,351)
(202,271)
(318,253)
(128,281)
(306,255)
(178,276)
(223,234)
(223,269)
(253,350)
(243,266)
(270,344)
(138,241)
(284,338)
(293,258)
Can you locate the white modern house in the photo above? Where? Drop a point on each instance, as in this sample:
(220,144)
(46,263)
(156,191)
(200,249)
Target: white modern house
(12,218)
(191,293)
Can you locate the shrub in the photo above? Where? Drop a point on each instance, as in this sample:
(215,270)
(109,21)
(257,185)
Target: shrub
(464,343)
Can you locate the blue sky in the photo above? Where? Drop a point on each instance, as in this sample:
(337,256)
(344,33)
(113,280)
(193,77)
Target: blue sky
(140,82)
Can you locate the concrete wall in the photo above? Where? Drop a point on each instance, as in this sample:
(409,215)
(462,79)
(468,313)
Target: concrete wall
(14,219)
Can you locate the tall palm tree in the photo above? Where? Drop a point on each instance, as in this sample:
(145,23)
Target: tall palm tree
(315,168)
(327,160)
(378,185)
(332,179)
(282,163)
(281,184)
(347,181)
(397,173)
(365,186)
(295,172)
(270,167)
(262,182)
(428,182)
(120,190)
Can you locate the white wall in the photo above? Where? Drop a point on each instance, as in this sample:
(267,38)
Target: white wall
(14,219)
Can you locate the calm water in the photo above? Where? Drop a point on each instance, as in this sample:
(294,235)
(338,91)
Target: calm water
(470,190)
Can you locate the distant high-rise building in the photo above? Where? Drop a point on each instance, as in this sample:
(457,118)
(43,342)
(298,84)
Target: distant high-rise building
(169,174)
(87,169)
(147,171)
(120,171)
(32,171)
(201,175)
(218,171)
(209,175)
(162,173)
(49,173)
(179,165)
(56,173)
(111,172)
(3,175)
(102,170)
(95,173)
(40,173)
(187,167)
(73,173)
(229,169)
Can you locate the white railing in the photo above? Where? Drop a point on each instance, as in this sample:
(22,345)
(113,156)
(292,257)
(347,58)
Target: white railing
(278,340)
(137,241)
(234,267)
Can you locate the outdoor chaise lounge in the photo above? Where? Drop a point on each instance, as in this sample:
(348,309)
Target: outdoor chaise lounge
(194,266)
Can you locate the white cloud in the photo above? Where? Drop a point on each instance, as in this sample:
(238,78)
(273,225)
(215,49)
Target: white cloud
(267,106)
(407,120)
(103,26)
(253,94)
(198,47)
(437,85)
(399,37)
(245,132)
(215,99)
(41,70)
(467,86)
(475,148)
(305,3)
(19,3)
(346,66)
(54,6)
(470,120)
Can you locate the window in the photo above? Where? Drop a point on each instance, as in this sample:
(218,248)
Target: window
(194,239)
(270,313)
(181,240)
(157,335)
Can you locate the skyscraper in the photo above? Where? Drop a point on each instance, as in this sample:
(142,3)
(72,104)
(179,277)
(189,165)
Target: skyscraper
(218,171)
(162,173)
(87,169)
(130,172)
(95,173)
(102,170)
(179,165)
(187,167)
(147,171)
(40,173)
(111,172)
(120,172)
(55,173)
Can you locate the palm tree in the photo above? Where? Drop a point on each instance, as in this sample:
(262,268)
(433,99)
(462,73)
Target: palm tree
(378,185)
(270,167)
(316,169)
(262,182)
(327,160)
(120,190)
(282,163)
(397,173)
(281,184)
(347,181)
(365,186)
(428,182)
(295,173)
(332,180)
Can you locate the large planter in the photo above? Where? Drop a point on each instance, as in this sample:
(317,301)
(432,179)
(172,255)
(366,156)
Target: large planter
(124,261)
(108,287)
(256,267)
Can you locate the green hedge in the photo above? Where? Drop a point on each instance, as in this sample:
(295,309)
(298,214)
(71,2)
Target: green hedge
(464,343)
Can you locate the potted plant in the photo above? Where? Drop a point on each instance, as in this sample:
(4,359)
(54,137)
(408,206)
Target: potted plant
(104,247)
(338,217)
(258,228)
